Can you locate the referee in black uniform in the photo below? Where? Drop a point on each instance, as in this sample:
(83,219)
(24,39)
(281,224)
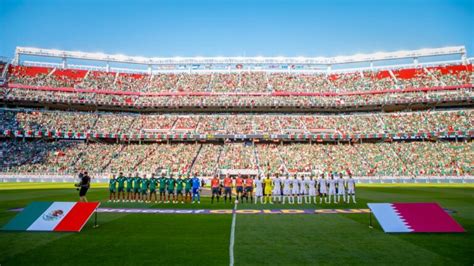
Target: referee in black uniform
(84,186)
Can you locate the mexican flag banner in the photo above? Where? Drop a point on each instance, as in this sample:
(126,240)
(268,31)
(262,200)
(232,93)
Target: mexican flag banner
(53,216)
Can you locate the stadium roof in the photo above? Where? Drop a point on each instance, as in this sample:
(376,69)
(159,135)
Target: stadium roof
(151,61)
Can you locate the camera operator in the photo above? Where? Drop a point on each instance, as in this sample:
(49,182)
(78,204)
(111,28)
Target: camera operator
(84,186)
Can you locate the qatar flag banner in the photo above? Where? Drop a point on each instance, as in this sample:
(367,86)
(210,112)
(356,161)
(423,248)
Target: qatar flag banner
(414,218)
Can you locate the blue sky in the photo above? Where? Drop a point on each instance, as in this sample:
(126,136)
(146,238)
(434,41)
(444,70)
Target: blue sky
(233,28)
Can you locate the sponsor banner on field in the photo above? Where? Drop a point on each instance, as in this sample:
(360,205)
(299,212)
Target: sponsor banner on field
(230,211)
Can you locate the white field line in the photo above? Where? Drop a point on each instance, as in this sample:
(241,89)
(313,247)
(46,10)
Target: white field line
(232,237)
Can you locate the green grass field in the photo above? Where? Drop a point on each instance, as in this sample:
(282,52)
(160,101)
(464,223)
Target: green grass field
(333,239)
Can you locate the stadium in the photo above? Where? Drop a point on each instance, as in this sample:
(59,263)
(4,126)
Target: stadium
(392,126)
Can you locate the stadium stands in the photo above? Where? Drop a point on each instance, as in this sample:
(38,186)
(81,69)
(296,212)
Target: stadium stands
(410,159)
(126,123)
(414,137)
(229,89)
(450,75)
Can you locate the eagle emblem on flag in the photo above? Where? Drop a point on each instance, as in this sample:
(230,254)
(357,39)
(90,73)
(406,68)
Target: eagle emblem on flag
(53,215)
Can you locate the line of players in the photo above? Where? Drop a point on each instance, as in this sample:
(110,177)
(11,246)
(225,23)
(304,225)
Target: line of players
(143,189)
(281,190)
(268,190)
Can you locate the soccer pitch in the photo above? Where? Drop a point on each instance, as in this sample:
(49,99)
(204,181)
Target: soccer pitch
(200,239)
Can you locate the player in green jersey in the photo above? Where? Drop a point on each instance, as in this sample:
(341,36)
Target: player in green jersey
(163,181)
(144,190)
(153,183)
(187,189)
(112,189)
(129,187)
(171,186)
(136,187)
(121,187)
(179,189)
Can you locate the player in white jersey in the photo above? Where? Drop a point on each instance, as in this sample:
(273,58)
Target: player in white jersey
(332,189)
(277,188)
(303,189)
(351,189)
(312,189)
(341,190)
(306,197)
(323,189)
(287,190)
(258,189)
(295,189)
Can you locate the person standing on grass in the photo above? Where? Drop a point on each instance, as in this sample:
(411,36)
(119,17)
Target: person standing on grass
(277,188)
(171,186)
(179,189)
(332,189)
(84,185)
(163,180)
(153,184)
(307,197)
(145,183)
(136,187)
(341,190)
(121,187)
(196,189)
(187,188)
(287,190)
(295,189)
(312,189)
(215,188)
(351,189)
(323,189)
(112,189)
(268,189)
(249,188)
(258,189)
(227,188)
(303,189)
(239,186)
(130,187)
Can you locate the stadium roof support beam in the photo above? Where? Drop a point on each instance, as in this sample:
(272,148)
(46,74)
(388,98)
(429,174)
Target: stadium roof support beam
(358,58)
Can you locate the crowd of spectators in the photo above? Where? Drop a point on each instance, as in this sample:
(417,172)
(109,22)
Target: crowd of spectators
(207,161)
(394,159)
(20,156)
(270,159)
(129,157)
(55,121)
(244,81)
(226,101)
(175,159)
(2,66)
(237,156)
(130,123)
(362,159)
